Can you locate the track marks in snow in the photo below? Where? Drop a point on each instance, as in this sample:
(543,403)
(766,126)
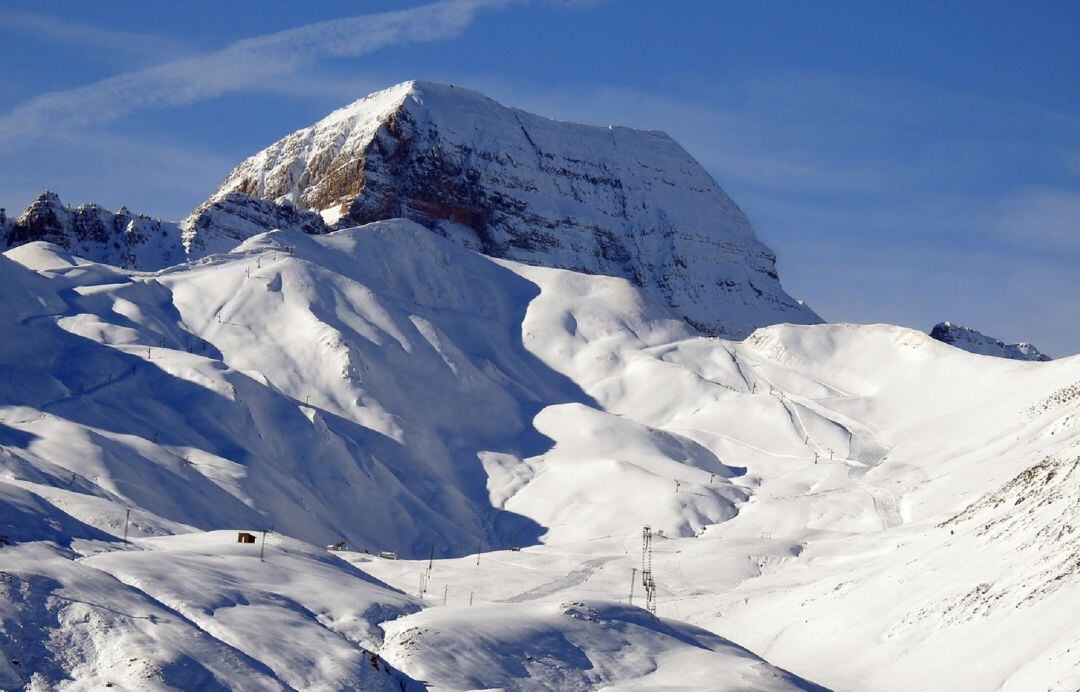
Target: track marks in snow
(885,503)
(735,440)
(575,577)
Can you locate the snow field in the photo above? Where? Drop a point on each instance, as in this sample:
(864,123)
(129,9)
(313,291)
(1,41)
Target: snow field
(386,388)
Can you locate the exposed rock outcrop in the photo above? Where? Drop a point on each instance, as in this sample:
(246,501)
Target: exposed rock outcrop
(977,342)
(222,224)
(137,241)
(120,238)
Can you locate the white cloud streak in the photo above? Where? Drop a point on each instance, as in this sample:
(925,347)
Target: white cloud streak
(110,45)
(247,64)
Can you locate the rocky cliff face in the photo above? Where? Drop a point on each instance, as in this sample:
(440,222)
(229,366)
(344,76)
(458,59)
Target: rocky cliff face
(120,238)
(977,342)
(221,224)
(601,200)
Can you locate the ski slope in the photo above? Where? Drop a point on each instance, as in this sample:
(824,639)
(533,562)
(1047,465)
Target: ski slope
(852,506)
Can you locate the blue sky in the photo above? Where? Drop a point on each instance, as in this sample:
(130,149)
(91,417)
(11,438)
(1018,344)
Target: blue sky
(909,162)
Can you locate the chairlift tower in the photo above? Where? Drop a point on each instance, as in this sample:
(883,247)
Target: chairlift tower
(646,570)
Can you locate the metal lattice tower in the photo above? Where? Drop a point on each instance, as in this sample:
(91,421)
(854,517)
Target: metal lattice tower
(646,570)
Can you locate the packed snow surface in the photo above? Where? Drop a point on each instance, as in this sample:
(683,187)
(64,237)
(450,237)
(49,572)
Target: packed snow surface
(859,507)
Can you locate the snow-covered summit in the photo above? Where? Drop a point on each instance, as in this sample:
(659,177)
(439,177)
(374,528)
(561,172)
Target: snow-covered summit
(977,342)
(510,184)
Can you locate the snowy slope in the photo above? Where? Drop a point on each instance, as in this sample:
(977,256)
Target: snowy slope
(379,319)
(309,595)
(196,612)
(600,200)
(977,342)
(312,428)
(861,505)
(573,646)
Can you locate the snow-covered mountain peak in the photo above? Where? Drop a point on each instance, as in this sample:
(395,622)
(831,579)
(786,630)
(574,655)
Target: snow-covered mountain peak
(977,342)
(600,200)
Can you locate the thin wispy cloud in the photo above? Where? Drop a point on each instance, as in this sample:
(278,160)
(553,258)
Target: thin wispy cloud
(240,66)
(109,45)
